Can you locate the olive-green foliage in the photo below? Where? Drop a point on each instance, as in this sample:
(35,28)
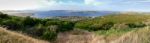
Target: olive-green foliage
(62,25)
(103,22)
(136,25)
(41,28)
(3,16)
(36,30)
(12,24)
(117,32)
(66,26)
(105,26)
(49,35)
(28,21)
(48,28)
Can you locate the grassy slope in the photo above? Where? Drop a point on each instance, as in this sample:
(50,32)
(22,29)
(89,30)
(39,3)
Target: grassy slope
(128,35)
(13,37)
(117,19)
(138,35)
(141,35)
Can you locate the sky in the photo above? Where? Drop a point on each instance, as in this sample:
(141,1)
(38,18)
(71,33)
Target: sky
(111,5)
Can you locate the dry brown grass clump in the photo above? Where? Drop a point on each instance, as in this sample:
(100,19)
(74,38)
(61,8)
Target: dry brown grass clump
(7,36)
(141,35)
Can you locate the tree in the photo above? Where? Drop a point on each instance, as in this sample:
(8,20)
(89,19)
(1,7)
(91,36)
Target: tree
(28,21)
(3,16)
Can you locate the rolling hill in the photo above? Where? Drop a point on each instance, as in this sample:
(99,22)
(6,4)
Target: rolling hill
(113,28)
(18,13)
(110,20)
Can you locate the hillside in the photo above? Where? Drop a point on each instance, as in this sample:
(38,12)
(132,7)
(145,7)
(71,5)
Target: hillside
(136,36)
(139,35)
(109,21)
(124,28)
(113,28)
(7,36)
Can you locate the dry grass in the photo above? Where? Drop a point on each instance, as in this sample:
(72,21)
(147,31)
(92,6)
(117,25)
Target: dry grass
(76,36)
(13,37)
(139,35)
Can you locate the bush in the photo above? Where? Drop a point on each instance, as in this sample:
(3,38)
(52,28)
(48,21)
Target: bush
(107,26)
(44,32)
(12,25)
(96,27)
(28,21)
(3,16)
(36,30)
(136,25)
(66,26)
(42,28)
(48,23)
(49,35)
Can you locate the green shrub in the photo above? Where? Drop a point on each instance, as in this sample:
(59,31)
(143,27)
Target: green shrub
(42,28)
(49,35)
(37,30)
(48,23)
(44,32)
(28,21)
(104,26)
(66,26)
(13,25)
(136,25)
(107,26)
(3,16)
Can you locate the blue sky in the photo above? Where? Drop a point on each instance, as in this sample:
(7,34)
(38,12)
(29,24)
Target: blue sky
(111,5)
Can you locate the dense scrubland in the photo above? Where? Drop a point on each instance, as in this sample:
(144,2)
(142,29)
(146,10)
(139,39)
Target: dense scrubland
(42,28)
(113,28)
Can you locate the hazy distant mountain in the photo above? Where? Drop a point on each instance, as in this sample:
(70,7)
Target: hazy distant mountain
(53,13)
(71,13)
(18,13)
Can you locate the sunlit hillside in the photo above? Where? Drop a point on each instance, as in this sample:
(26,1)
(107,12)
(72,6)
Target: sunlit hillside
(99,23)
(139,35)
(113,28)
(122,28)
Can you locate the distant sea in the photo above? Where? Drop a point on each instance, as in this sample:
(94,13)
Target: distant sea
(43,14)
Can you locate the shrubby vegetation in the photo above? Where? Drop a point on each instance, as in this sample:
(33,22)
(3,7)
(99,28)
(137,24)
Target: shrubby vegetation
(107,22)
(44,28)
(49,28)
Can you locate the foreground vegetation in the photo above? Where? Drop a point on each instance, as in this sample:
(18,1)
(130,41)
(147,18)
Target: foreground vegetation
(109,26)
(7,36)
(42,28)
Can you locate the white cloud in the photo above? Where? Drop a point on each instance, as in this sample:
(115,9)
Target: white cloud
(89,1)
(49,2)
(136,1)
(93,2)
(18,4)
(61,2)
